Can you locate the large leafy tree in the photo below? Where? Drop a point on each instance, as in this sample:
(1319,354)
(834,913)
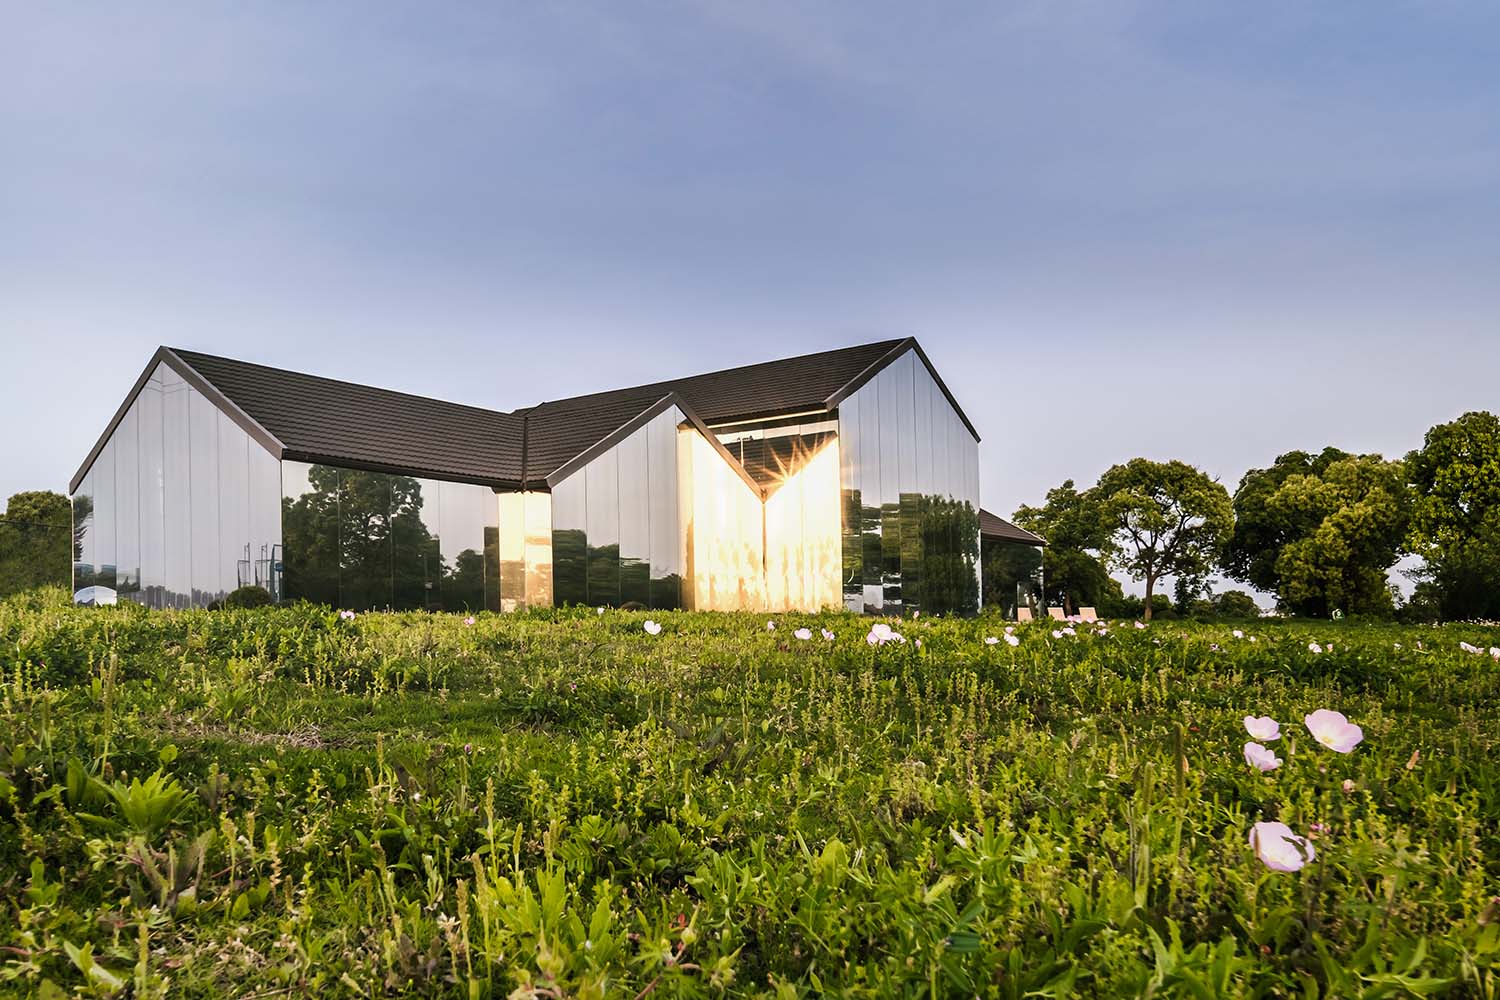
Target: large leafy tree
(1455,519)
(1320,531)
(36,541)
(1164,519)
(1078,540)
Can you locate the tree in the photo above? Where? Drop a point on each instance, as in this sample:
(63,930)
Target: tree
(1455,517)
(1165,519)
(1321,531)
(35,542)
(1073,567)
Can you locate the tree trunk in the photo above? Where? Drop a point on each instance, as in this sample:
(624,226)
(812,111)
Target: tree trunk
(1150,586)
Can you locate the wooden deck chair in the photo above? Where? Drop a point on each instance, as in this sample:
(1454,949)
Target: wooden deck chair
(1023,614)
(1088,614)
(1056,613)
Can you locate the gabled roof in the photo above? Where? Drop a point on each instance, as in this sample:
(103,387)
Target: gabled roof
(314,419)
(995,526)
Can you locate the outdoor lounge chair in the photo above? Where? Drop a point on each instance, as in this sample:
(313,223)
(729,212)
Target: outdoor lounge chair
(1088,614)
(1023,614)
(1057,613)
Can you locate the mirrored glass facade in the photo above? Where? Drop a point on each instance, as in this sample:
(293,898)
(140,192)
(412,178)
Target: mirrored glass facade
(172,512)
(371,540)
(1012,576)
(615,525)
(909,470)
(525,550)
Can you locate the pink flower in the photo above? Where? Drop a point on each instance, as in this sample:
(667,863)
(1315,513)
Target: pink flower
(347,615)
(1057,633)
(803,634)
(770,626)
(1313,647)
(1012,640)
(652,628)
(1279,849)
(990,640)
(881,633)
(1348,786)
(1258,756)
(1333,730)
(469,620)
(1263,727)
(1140,624)
(827,635)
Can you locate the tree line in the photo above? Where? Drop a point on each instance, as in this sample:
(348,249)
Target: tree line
(1319,531)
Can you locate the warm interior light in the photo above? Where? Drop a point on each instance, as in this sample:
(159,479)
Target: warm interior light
(804,554)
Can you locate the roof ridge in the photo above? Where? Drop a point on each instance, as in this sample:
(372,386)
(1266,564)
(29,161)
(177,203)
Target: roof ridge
(187,356)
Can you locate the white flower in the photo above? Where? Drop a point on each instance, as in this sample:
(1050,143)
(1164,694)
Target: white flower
(1263,727)
(919,643)
(1140,624)
(1468,648)
(827,635)
(1238,634)
(1253,639)
(1313,647)
(770,626)
(1258,756)
(803,633)
(1495,652)
(1012,640)
(990,640)
(346,615)
(881,633)
(1333,730)
(1057,633)
(652,628)
(1010,628)
(1069,631)
(1279,849)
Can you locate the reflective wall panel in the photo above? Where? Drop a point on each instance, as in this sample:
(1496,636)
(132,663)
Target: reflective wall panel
(166,509)
(368,540)
(614,525)
(909,496)
(723,521)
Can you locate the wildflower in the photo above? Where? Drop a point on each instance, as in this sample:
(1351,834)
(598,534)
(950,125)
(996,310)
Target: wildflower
(1313,647)
(1263,727)
(416,796)
(652,628)
(1259,757)
(1468,648)
(469,620)
(1069,631)
(1333,730)
(915,615)
(1398,645)
(1057,633)
(990,640)
(1279,849)
(1012,640)
(881,633)
(803,633)
(599,610)
(1010,628)
(1253,639)
(1140,624)
(827,635)
(770,626)
(919,643)
(468,748)
(1213,647)
(1348,786)
(1495,652)
(347,615)
(1238,634)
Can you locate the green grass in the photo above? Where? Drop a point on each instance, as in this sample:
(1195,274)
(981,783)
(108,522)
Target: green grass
(280,803)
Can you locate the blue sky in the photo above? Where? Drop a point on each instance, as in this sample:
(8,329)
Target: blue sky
(1208,231)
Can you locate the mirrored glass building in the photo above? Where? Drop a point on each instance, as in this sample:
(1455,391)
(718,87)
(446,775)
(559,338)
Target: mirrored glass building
(845,478)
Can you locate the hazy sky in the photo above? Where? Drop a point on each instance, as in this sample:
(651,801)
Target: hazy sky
(1215,232)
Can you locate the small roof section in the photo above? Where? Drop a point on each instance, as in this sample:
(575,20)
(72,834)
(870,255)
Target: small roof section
(995,526)
(314,419)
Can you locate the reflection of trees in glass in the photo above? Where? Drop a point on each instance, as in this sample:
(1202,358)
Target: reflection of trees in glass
(1012,573)
(358,539)
(570,566)
(950,555)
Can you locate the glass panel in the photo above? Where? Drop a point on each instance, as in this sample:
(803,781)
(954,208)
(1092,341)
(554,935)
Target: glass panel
(632,454)
(125,444)
(83,534)
(870,455)
(892,387)
(417,561)
(264,496)
(491,522)
(177,523)
(310,532)
(725,528)
(203,498)
(570,542)
(602,480)
(152,489)
(539,550)
(461,543)
(851,517)
(365,505)
(236,566)
(666,540)
(512,551)
(803,557)
(105,517)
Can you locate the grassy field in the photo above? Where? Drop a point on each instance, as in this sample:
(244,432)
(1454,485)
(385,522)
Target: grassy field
(285,802)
